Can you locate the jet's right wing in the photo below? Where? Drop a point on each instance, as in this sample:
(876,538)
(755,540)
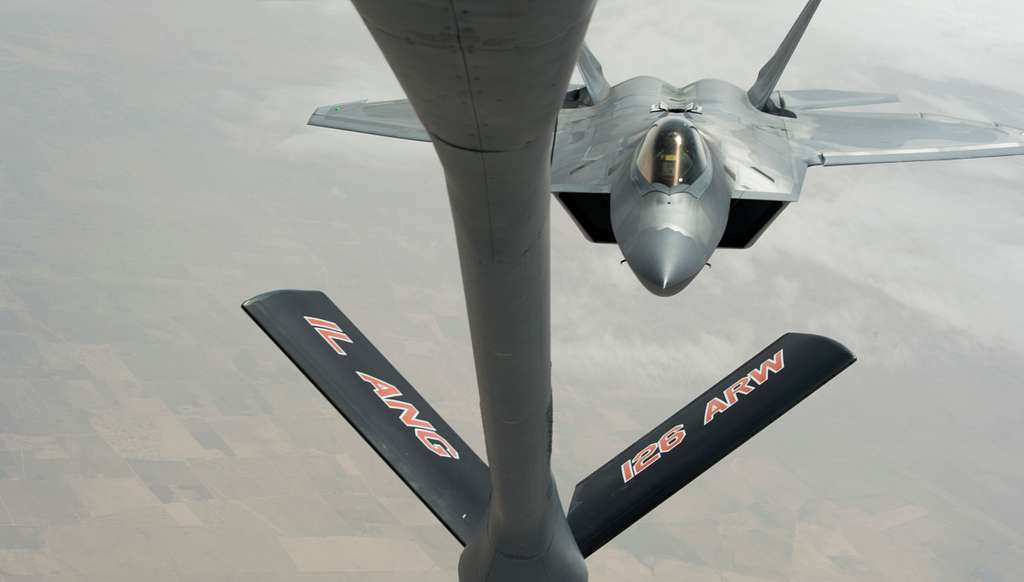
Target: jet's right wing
(387,118)
(845,138)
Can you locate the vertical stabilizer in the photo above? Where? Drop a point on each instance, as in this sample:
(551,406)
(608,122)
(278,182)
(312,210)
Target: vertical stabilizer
(593,75)
(770,74)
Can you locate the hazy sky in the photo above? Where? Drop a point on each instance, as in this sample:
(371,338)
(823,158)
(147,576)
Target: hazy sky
(155,171)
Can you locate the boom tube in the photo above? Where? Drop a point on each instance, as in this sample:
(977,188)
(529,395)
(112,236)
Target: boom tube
(487,79)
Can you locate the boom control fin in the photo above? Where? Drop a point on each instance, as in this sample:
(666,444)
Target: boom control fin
(706,430)
(411,437)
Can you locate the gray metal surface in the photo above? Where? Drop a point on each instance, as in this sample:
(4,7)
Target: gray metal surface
(487,80)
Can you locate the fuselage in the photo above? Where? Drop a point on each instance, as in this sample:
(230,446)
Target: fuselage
(670,191)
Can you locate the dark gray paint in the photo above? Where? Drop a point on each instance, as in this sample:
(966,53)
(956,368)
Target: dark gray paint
(442,470)
(606,503)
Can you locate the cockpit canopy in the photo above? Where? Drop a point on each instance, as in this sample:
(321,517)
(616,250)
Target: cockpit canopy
(672,153)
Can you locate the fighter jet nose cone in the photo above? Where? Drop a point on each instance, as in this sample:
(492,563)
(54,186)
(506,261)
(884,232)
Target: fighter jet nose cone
(668,283)
(665,260)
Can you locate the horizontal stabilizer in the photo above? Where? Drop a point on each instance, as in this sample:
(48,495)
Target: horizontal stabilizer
(387,118)
(692,440)
(824,99)
(771,72)
(365,388)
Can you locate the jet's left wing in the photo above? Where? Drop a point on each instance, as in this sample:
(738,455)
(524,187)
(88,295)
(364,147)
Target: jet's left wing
(387,118)
(846,138)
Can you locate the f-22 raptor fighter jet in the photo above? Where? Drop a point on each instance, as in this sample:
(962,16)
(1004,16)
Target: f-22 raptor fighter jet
(671,174)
